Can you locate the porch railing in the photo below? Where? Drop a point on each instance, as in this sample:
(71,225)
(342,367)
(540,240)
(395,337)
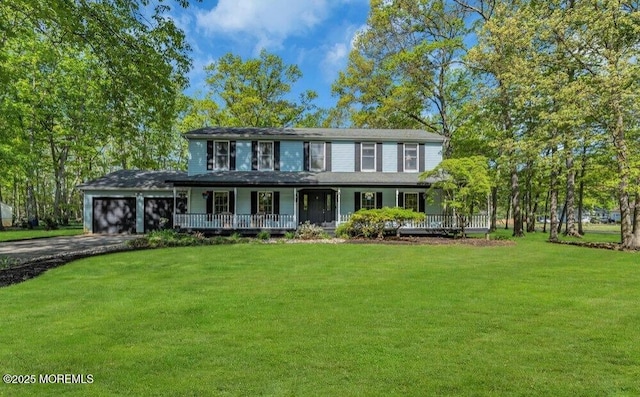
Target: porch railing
(235,221)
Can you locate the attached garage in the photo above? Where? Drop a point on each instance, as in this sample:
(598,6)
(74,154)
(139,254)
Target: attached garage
(158,213)
(130,201)
(114,215)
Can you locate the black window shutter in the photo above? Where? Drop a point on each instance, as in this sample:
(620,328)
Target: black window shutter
(400,157)
(358,159)
(378,199)
(254,202)
(254,155)
(401,200)
(305,166)
(232,155)
(209,155)
(379,157)
(327,157)
(232,202)
(209,202)
(421,157)
(276,202)
(276,156)
(421,202)
(356,202)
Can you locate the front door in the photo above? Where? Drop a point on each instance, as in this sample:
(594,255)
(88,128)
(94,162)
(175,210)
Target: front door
(317,206)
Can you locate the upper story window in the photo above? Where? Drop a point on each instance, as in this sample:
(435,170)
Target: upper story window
(368,157)
(316,156)
(411,157)
(221,150)
(265,156)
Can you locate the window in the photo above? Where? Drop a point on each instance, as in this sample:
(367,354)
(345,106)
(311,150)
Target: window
(411,201)
(265,156)
(368,200)
(265,202)
(316,156)
(411,157)
(368,157)
(221,153)
(220,202)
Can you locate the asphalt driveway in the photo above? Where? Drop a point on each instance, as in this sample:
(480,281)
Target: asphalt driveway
(36,248)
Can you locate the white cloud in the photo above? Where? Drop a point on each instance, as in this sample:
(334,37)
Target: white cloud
(336,55)
(269,23)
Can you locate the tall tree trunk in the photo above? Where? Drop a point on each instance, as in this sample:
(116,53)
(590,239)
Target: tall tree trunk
(570,229)
(546,209)
(515,203)
(494,209)
(553,201)
(583,168)
(1,224)
(507,217)
(562,216)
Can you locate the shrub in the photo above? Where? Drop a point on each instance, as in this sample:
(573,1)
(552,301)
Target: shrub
(50,223)
(263,235)
(374,223)
(342,231)
(290,235)
(308,231)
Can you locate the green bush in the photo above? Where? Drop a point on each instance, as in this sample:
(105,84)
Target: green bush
(375,223)
(290,235)
(308,231)
(263,235)
(342,231)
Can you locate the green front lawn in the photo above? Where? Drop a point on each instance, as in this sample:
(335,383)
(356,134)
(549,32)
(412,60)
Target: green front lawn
(334,320)
(39,232)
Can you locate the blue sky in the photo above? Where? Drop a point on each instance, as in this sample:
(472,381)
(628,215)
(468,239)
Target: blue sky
(316,35)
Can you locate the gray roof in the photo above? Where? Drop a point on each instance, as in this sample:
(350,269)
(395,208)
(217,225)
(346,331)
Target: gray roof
(133,179)
(302,179)
(394,135)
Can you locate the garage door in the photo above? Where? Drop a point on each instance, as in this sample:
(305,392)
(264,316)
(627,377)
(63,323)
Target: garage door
(114,215)
(158,213)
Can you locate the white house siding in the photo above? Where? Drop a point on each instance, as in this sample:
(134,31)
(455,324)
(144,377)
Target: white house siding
(197,163)
(243,155)
(389,157)
(291,155)
(432,154)
(343,156)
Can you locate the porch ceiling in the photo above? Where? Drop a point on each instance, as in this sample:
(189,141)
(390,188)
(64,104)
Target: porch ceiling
(302,179)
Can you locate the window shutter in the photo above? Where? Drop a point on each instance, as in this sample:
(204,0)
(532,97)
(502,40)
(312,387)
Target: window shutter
(421,202)
(209,202)
(232,155)
(327,157)
(378,199)
(400,157)
(276,202)
(421,158)
(254,155)
(276,156)
(254,202)
(401,199)
(232,202)
(379,157)
(305,166)
(209,155)
(356,202)
(358,159)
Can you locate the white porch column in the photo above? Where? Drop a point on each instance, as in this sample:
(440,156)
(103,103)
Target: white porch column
(235,208)
(338,208)
(397,193)
(175,206)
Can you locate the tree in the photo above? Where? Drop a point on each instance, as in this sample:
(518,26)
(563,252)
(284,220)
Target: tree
(253,93)
(405,68)
(465,185)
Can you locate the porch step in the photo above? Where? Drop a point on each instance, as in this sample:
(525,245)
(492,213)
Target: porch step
(330,230)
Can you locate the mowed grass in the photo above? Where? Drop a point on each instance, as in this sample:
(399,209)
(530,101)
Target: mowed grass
(28,234)
(533,319)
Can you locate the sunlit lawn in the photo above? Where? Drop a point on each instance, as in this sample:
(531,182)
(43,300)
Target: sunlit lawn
(335,320)
(39,232)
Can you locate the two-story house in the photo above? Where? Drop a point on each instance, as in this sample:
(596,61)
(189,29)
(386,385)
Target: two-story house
(251,179)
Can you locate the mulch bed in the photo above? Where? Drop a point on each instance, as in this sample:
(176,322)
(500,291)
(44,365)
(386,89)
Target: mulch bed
(606,246)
